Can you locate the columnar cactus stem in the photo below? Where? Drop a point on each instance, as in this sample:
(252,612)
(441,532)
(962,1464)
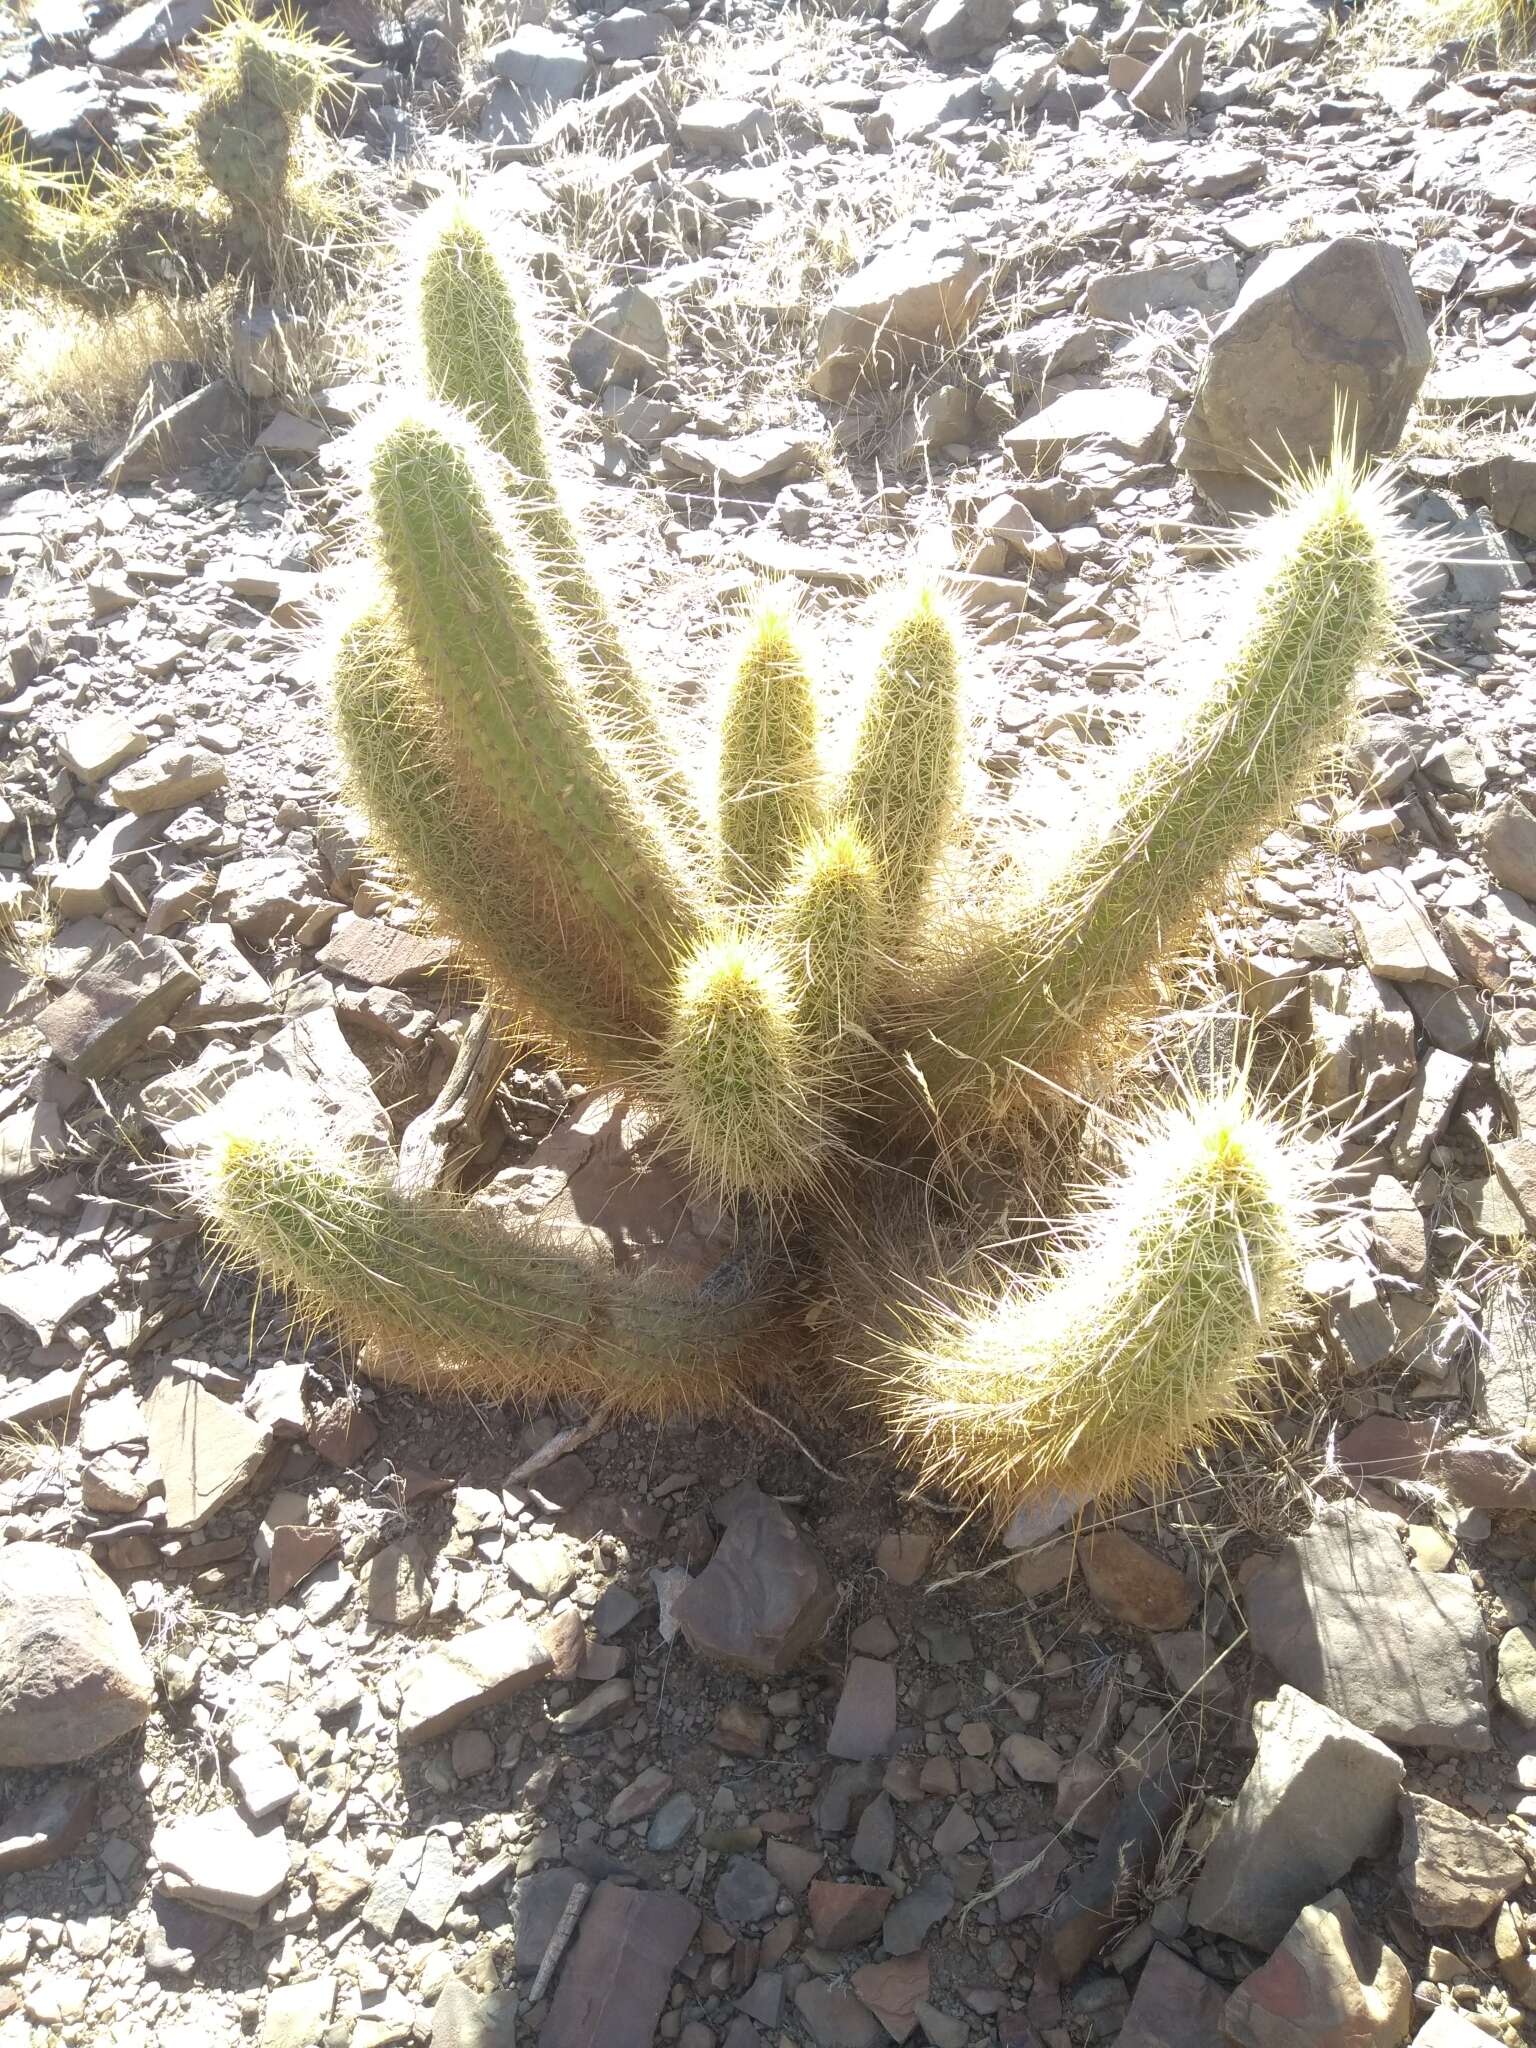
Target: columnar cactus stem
(455,1302)
(1067,944)
(477,617)
(903,782)
(429,814)
(1142,1342)
(768,775)
(832,929)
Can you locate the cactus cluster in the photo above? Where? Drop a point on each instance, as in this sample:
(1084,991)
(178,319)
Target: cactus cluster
(237,188)
(826,970)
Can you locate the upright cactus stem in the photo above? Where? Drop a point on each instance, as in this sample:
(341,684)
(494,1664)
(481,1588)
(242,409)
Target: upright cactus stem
(1066,945)
(477,617)
(769,774)
(476,353)
(1141,1343)
(832,928)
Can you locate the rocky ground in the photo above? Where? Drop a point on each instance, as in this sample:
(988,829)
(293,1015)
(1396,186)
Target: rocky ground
(330,1717)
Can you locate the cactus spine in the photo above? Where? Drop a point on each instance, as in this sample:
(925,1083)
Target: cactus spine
(1137,1345)
(768,774)
(453,1301)
(1048,963)
(832,929)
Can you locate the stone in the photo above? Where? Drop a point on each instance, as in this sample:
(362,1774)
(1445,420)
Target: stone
(41,1830)
(62,112)
(1176,2006)
(1170,85)
(539,1903)
(544,64)
(1121,418)
(1313,324)
(618,1973)
(366,949)
(639,1798)
(1456,1872)
(624,337)
(1397,940)
(1427,1110)
(604,1705)
(1019,80)
(1486,379)
(1448,2028)
(747,1890)
(764,1598)
(922,293)
(722,126)
(956,29)
(1031,1760)
(911,1920)
(212,422)
(1509,844)
(49,1292)
(1479,1473)
(1028,1870)
(543,1566)
(264,1781)
(1331,1984)
(72,1676)
(167,778)
(874,1839)
(206,1450)
(1088,1911)
(95,745)
(1320,1795)
(865,1723)
(742,460)
(98,1026)
(1131,1583)
(1517,1674)
(1506,484)
(146,33)
(212,1860)
(846,1915)
(297,2015)
(1483,564)
(1341,1614)
(467,2017)
(478,1668)
(1131,296)
(893,1991)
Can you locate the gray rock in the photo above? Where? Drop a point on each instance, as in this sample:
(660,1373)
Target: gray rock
(1455,1871)
(764,1597)
(206,1450)
(911,1920)
(1019,80)
(41,1830)
(724,127)
(64,113)
(1171,84)
(72,1676)
(538,1906)
(479,1668)
(616,1977)
(1121,418)
(467,2017)
(1506,483)
(1320,1795)
(747,1890)
(1509,844)
(874,1839)
(212,422)
(98,1025)
(630,33)
(1128,296)
(913,112)
(1175,2006)
(542,63)
(836,2018)
(1313,324)
(1331,1981)
(297,2015)
(865,1723)
(919,294)
(624,337)
(1517,1674)
(1482,563)
(214,1861)
(955,29)
(145,33)
(1341,1614)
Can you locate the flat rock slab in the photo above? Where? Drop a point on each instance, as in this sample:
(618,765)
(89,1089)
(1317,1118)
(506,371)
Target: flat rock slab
(619,1972)
(1341,1614)
(1321,1794)
(865,1723)
(72,1675)
(214,1861)
(1331,1983)
(1083,1917)
(365,949)
(1176,2006)
(98,1025)
(207,1450)
(479,1668)
(1456,1871)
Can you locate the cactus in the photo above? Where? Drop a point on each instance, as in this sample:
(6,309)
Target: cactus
(452,1300)
(257,85)
(1066,945)
(477,359)
(1139,1344)
(860,941)
(768,773)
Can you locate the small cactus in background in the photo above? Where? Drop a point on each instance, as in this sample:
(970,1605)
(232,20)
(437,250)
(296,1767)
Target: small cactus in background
(829,968)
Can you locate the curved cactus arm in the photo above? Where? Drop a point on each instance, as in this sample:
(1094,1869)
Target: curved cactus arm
(455,1301)
(903,783)
(254,84)
(429,815)
(477,359)
(738,1074)
(1061,950)
(1142,1342)
(474,610)
(768,776)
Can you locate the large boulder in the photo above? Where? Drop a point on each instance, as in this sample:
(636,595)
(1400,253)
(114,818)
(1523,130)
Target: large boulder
(72,1675)
(1316,328)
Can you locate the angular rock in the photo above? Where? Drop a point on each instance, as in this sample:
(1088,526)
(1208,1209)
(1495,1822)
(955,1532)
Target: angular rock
(865,1723)
(1331,1984)
(893,1991)
(1029,1870)
(539,1902)
(147,32)
(1456,1872)
(72,1676)
(1517,1674)
(1129,296)
(103,1021)
(624,337)
(1121,418)
(1131,1583)
(1313,324)
(467,2017)
(166,778)
(1341,1614)
(214,421)
(1320,1795)
(616,1977)
(723,127)
(923,292)
(479,1668)
(206,1450)
(1397,940)
(846,1915)
(1171,83)
(764,1597)
(1509,844)
(1082,1918)
(545,65)
(836,2018)
(1176,2006)
(911,1920)
(214,1861)
(42,1830)
(63,112)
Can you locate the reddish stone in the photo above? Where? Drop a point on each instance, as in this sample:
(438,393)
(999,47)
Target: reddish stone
(1132,1584)
(1386,1447)
(618,1974)
(343,1433)
(1029,1869)
(1330,1983)
(893,1992)
(843,1915)
(296,1550)
(1175,2006)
